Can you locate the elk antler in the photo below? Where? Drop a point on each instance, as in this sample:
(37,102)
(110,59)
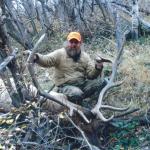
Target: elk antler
(110,84)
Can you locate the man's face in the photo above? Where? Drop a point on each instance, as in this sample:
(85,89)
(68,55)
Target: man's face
(73,48)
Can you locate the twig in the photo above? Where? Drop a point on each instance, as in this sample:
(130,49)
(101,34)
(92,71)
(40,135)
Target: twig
(30,143)
(57,126)
(80,130)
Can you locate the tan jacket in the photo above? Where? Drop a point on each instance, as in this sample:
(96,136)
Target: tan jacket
(66,70)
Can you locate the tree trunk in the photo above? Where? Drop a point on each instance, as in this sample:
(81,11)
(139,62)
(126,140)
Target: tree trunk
(24,35)
(6,50)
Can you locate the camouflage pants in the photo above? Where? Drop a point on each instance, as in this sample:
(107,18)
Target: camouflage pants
(78,91)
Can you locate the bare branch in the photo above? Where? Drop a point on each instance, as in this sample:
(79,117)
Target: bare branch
(7,60)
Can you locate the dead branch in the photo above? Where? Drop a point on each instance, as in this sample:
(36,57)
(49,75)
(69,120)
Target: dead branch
(129,8)
(8,59)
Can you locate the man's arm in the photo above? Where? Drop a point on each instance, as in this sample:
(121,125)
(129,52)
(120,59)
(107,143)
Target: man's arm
(49,60)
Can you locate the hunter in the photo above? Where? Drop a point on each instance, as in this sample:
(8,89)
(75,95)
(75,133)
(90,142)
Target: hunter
(76,75)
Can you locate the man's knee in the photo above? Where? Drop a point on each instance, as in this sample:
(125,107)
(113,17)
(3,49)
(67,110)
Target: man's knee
(93,86)
(73,93)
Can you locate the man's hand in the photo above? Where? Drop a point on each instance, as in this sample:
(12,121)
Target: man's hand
(100,59)
(28,52)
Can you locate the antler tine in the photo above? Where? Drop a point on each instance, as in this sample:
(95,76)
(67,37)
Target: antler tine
(83,116)
(74,107)
(114,108)
(110,84)
(100,115)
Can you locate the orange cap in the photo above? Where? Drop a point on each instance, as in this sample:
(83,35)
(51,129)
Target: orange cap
(74,35)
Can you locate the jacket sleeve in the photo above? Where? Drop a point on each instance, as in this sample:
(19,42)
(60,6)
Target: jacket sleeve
(49,60)
(91,70)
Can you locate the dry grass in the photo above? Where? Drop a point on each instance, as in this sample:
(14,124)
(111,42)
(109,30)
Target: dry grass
(135,69)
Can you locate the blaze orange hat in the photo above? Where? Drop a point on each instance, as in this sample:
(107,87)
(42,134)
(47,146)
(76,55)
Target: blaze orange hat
(74,35)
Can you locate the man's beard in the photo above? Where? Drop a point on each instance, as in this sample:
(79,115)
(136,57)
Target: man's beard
(73,53)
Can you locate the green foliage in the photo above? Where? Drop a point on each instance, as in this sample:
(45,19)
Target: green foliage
(129,136)
(125,137)
(125,124)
